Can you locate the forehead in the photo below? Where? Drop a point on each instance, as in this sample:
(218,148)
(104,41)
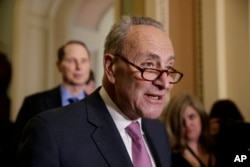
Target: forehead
(75,49)
(189,110)
(149,40)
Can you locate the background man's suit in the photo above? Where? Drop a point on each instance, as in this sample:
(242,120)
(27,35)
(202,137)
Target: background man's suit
(84,134)
(32,105)
(38,103)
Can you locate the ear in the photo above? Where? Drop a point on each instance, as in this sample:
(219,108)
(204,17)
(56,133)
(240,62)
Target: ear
(109,67)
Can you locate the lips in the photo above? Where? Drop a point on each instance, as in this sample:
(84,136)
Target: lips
(78,75)
(154,97)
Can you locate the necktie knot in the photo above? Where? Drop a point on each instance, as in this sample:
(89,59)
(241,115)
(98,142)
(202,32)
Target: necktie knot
(73,99)
(134,131)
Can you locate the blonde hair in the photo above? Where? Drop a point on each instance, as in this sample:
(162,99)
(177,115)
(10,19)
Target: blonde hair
(172,119)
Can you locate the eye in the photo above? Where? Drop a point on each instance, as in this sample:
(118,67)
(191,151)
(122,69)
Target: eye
(170,69)
(192,116)
(149,64)
(84,60)
(69,60)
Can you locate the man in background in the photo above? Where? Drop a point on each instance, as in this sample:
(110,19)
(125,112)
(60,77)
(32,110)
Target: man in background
(73,62)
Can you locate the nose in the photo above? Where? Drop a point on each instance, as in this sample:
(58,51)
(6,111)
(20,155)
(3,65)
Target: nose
(187,123)
(164,81)
(78,64)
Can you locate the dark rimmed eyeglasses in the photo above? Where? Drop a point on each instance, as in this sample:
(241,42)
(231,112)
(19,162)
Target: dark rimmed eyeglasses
(150,74)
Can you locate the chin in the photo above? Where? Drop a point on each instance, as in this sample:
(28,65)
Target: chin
(79,83)
(152,115)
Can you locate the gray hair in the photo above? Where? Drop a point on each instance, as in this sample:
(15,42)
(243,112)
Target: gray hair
(118,33)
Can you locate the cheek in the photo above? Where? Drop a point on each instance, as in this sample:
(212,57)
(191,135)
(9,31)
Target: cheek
(66,67)
(137,88)
(124,79)
(70,69)
(132,91)
(86,66)
(198,126)
(67,70)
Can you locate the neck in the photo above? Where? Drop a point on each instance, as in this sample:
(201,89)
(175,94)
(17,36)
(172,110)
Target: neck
(194,145)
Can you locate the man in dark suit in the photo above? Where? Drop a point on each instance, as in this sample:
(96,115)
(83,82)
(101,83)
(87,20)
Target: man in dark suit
(138,76)
(74,65)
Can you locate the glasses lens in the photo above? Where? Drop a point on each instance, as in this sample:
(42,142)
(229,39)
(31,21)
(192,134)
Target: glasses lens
(150,74)
(175,77)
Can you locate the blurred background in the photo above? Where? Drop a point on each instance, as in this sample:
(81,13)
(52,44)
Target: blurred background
(210,37)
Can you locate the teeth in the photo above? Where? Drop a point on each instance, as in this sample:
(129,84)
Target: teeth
(154,97)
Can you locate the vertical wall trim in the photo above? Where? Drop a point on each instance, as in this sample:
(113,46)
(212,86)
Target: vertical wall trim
(221,50)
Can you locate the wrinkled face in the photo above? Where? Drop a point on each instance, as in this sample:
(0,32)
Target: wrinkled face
(147,47)
(75,66)
(191,124)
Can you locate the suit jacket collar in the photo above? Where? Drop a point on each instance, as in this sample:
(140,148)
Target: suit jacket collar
(53,98)
(106,133)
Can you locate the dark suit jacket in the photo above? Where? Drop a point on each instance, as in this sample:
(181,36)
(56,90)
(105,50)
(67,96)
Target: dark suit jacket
(84,134)
(35,104)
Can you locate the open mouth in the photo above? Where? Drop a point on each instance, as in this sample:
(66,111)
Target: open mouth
(154,97)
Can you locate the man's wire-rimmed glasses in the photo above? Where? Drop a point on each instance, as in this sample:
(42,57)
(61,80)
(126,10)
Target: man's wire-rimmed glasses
(151,74)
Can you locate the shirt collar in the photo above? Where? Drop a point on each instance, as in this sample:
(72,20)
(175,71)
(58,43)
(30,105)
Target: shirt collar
(120,119)
(65,95)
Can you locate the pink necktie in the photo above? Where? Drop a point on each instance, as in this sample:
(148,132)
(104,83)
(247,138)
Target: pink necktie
(139,151)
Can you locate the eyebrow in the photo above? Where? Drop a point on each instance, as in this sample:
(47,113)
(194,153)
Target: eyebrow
(155,56)
(172,57)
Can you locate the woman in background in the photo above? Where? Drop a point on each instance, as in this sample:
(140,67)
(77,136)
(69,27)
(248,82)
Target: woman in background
(188,127)
(230,132)
(223,113)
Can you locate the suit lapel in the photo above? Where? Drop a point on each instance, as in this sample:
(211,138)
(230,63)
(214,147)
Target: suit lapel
(106,135)
(157,141)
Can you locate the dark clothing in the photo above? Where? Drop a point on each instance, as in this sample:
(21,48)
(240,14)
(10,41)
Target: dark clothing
(32,105)
(4,108)
(233,139)
(179,161)
(84,134)
(36,104)
(6,125)
(6,130)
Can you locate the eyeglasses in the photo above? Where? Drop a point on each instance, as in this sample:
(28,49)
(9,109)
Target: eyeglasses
(150,74)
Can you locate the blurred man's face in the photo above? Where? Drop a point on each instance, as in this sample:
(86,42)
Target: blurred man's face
(75,66)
